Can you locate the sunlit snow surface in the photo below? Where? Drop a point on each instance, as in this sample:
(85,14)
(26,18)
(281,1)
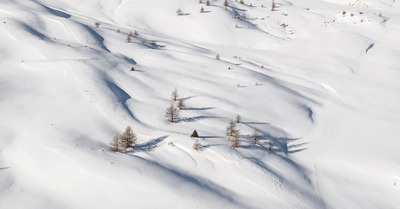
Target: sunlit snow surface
(321,79)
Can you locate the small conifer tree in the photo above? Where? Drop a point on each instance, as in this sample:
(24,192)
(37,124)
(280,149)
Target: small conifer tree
(194,134)
(208,2)
(226,3)
(201,10)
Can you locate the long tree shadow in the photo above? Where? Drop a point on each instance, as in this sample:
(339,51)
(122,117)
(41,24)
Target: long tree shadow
(211,137)
(282,147)
(187,98)
(253,123)
(150,145)
(280,151)
(201,108)
(213,145)
(264,147)
(297,147)
(270,132)
(196,118)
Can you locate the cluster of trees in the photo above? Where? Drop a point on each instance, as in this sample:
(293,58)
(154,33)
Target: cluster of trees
(130,34)
(124,141)
(172,112)
(233,134)
(207,2)
(226,4)
(196,145)
(172,115)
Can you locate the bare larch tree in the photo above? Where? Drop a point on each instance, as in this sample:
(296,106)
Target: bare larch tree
(172,113)
(230,130)
(127,139)
(174,95)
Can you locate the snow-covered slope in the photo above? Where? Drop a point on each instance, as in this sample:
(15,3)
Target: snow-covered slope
(320,78)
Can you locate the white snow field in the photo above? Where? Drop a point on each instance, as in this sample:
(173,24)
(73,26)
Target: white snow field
(320,78)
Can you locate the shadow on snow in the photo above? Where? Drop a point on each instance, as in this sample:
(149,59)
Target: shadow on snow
(150,145)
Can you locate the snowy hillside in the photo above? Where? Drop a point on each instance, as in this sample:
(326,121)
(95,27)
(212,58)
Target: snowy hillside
(318,79)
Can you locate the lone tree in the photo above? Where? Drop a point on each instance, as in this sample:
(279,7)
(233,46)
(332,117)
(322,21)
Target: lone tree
(172,114)
(114,144)
(235,139)
(226,3)
(273,5)
(230,130)
(238,118)
(255,136)
(197,146)
(208,2)
(181,105)
(194,134)
(127,139)
(174,95)
(270,144)
(179,12)
(201,10)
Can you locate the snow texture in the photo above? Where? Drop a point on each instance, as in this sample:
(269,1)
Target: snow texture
(319,78)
